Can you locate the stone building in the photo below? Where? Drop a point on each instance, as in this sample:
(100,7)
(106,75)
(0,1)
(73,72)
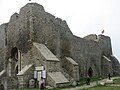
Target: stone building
(34,41)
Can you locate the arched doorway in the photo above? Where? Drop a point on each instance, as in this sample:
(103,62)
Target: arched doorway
(90,72)
(14,53)
(14,61)
(2,87)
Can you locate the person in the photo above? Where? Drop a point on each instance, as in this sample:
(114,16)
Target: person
(109,76)
(42,84)
(88,81)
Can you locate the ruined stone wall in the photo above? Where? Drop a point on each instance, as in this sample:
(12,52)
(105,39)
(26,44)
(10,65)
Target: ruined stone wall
(32,56)
(71,67)
(27,58)
(106,66)
(49,30)
(12,34)
(91,37)
(3,40)
(34,24)
(53,66)
(19,34)
(105,45)
(87,54)
(115,65)
(19,29)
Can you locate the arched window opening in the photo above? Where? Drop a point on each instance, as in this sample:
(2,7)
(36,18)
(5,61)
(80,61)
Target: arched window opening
(14,61)
(14,53)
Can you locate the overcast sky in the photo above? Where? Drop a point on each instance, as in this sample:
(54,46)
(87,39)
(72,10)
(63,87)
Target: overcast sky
(83,17)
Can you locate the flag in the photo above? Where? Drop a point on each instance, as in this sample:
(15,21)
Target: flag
(102,31)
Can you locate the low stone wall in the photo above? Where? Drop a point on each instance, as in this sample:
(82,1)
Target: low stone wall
(25,75)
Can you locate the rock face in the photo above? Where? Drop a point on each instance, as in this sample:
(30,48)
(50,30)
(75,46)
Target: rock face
(92,54)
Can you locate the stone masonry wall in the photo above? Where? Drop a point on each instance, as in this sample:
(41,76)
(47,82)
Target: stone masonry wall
(87,54)
(91,37)
(34,24)
(106,66)
(71,67)
(104,43)
(3,40)
(53,66)
(49,30)
(115,65)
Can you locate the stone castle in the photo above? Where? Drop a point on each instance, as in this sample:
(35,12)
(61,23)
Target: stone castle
(35,41)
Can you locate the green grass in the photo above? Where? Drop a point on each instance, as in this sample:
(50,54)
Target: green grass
(58,88)
(116,81)
(96,79)
(103,88)
(93,88)
(30,89)
(83,79)
(108,87)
